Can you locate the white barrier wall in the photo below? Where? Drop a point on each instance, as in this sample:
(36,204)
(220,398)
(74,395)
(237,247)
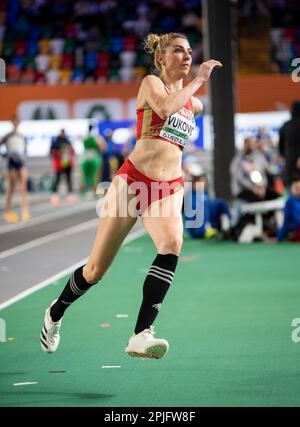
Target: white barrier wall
(39,133)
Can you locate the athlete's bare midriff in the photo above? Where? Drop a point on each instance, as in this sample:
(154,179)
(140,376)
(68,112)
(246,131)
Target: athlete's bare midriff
(157,159)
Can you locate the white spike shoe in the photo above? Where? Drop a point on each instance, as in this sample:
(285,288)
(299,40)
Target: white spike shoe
(145,345)
(49,337)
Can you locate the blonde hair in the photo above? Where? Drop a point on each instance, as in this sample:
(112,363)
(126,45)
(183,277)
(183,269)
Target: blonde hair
(156,44)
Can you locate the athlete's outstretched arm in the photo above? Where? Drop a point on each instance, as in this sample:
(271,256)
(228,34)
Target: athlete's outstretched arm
(165,105)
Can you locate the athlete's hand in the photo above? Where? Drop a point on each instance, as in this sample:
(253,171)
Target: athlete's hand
(206,68)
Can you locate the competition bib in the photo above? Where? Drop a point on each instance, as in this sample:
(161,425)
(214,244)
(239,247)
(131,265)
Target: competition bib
(179,127)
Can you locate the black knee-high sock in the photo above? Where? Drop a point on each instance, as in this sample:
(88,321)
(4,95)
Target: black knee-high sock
(156,285)
(74,289)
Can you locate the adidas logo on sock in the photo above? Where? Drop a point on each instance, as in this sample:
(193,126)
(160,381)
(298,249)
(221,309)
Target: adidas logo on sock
(157,306)
(66,302)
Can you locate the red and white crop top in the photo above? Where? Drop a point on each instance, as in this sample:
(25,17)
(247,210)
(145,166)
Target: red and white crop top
(176,129)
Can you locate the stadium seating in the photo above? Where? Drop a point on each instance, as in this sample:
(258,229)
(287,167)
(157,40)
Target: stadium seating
(75,41)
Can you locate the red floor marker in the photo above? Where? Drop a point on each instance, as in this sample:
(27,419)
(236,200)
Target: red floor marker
(105,325)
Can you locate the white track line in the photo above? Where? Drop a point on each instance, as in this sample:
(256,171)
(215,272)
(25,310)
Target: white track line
(49,238)
(26,383)
(51,215)
(111,366)
(63,273)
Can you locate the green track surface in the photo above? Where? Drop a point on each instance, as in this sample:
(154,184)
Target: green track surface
(227,318)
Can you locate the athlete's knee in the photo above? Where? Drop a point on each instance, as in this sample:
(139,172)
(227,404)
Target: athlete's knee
(171,245)
(92,273)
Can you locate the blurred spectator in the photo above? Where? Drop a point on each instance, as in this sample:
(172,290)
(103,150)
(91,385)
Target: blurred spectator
(91,163)
(216,212)
(289,144)
(249,174)
(291,224)
(250,183)
(63,161)
(265,144)
(16,172)
(269,149)
(113,157)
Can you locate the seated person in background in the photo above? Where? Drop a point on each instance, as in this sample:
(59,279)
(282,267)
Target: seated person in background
(249,174)
(291,223)
(216,211)
(268,147)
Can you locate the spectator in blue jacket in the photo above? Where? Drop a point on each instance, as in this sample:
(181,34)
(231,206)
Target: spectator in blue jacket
(216,215)
(291,223)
